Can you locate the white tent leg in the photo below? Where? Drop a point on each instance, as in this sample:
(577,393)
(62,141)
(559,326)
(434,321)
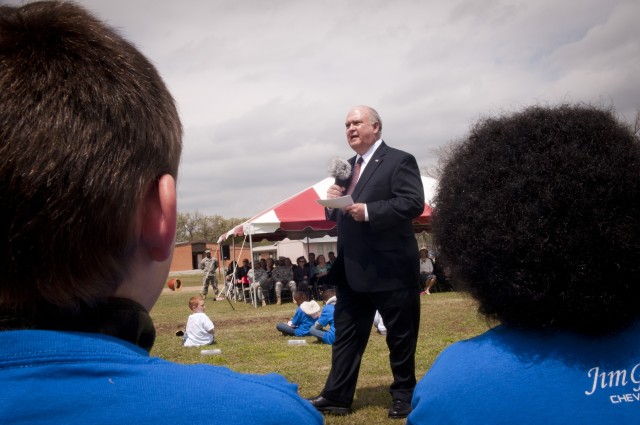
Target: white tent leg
(254,299)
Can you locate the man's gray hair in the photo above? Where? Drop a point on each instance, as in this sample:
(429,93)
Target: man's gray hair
(373,114)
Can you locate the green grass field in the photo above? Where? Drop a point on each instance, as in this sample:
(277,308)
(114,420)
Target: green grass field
(250,344)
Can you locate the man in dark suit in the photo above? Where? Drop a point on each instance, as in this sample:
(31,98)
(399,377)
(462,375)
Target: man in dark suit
(377,264)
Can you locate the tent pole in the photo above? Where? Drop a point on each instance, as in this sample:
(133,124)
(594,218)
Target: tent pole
(254,300)
(220,261)
(228,290)
(225,290)
(244,239)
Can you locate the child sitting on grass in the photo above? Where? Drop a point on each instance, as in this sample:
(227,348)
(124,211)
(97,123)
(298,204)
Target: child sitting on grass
(305,317)
(326,318)
(200,329)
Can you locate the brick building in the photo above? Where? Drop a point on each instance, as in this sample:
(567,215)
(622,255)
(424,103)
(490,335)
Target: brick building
(187,255)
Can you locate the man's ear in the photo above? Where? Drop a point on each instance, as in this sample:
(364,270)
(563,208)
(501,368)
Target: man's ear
(376,128)
(159,218)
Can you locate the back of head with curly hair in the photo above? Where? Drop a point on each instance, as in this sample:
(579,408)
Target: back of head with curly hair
(538,214)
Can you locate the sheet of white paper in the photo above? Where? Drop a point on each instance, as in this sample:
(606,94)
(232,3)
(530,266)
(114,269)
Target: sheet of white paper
(343,201)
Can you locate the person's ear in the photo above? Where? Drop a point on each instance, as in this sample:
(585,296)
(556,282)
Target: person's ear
(159,218)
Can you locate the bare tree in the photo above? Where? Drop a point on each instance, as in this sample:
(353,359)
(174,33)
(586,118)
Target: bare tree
(181,227)
(215,225)
(442,154)
(208,231)
(189,226)
(195,226)
(425,239)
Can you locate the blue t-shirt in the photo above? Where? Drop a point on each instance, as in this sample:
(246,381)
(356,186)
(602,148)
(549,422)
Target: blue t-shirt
(74,378)
(326,318)
(505,376)
(303,321)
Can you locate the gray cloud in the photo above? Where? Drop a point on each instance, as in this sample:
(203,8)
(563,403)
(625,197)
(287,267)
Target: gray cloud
(263,86)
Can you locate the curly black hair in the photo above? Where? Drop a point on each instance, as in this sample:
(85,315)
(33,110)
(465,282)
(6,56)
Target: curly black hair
(538,215)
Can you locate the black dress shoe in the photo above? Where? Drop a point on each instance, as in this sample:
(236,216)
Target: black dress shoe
(325,405)
(399,409)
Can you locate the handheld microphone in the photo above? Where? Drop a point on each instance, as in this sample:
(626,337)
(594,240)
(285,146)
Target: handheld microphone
(340,169)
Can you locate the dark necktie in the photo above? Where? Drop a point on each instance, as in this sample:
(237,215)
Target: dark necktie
(355,174)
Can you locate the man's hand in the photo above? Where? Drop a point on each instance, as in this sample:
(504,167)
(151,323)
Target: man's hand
(356,211)
(335,191)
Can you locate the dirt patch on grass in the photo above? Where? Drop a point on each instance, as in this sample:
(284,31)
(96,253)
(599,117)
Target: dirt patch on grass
(240,321)
(229,322)
(169,328)
(182,289)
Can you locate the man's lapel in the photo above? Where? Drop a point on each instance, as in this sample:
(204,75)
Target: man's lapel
(370,169)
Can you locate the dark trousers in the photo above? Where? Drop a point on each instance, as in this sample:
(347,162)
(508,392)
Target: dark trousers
(400,311)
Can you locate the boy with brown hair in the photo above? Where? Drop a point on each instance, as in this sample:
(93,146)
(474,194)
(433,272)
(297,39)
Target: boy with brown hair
(90,141)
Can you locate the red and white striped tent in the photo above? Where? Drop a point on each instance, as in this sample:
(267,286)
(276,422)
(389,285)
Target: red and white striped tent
(300,216)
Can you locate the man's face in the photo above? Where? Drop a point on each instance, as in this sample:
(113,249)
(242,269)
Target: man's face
(208,255)
(361,132)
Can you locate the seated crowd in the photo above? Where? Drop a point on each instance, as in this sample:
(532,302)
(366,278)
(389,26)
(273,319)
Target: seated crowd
(269,279)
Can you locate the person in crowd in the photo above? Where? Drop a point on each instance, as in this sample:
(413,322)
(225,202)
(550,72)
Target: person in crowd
(241,271)
(311,265)
(90,141)
(210,267)
(319,330)
(259,282)
(231,269)
(378,323)
(304,318)
(300,274)
(229,277)
(242,279)
(288,263)
(200,329)
(544,235)
(282,275)
(320,271)
(331,257)
(270,265)
(427,278)
(377,265)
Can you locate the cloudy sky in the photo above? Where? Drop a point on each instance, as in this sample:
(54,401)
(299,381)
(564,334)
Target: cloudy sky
(263,86)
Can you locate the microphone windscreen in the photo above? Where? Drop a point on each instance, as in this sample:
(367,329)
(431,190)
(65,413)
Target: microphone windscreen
(340,169)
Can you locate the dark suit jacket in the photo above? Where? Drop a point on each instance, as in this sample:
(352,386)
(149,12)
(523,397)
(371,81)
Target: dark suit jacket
(382,253)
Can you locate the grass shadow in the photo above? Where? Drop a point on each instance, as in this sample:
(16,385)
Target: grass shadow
(376,396)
